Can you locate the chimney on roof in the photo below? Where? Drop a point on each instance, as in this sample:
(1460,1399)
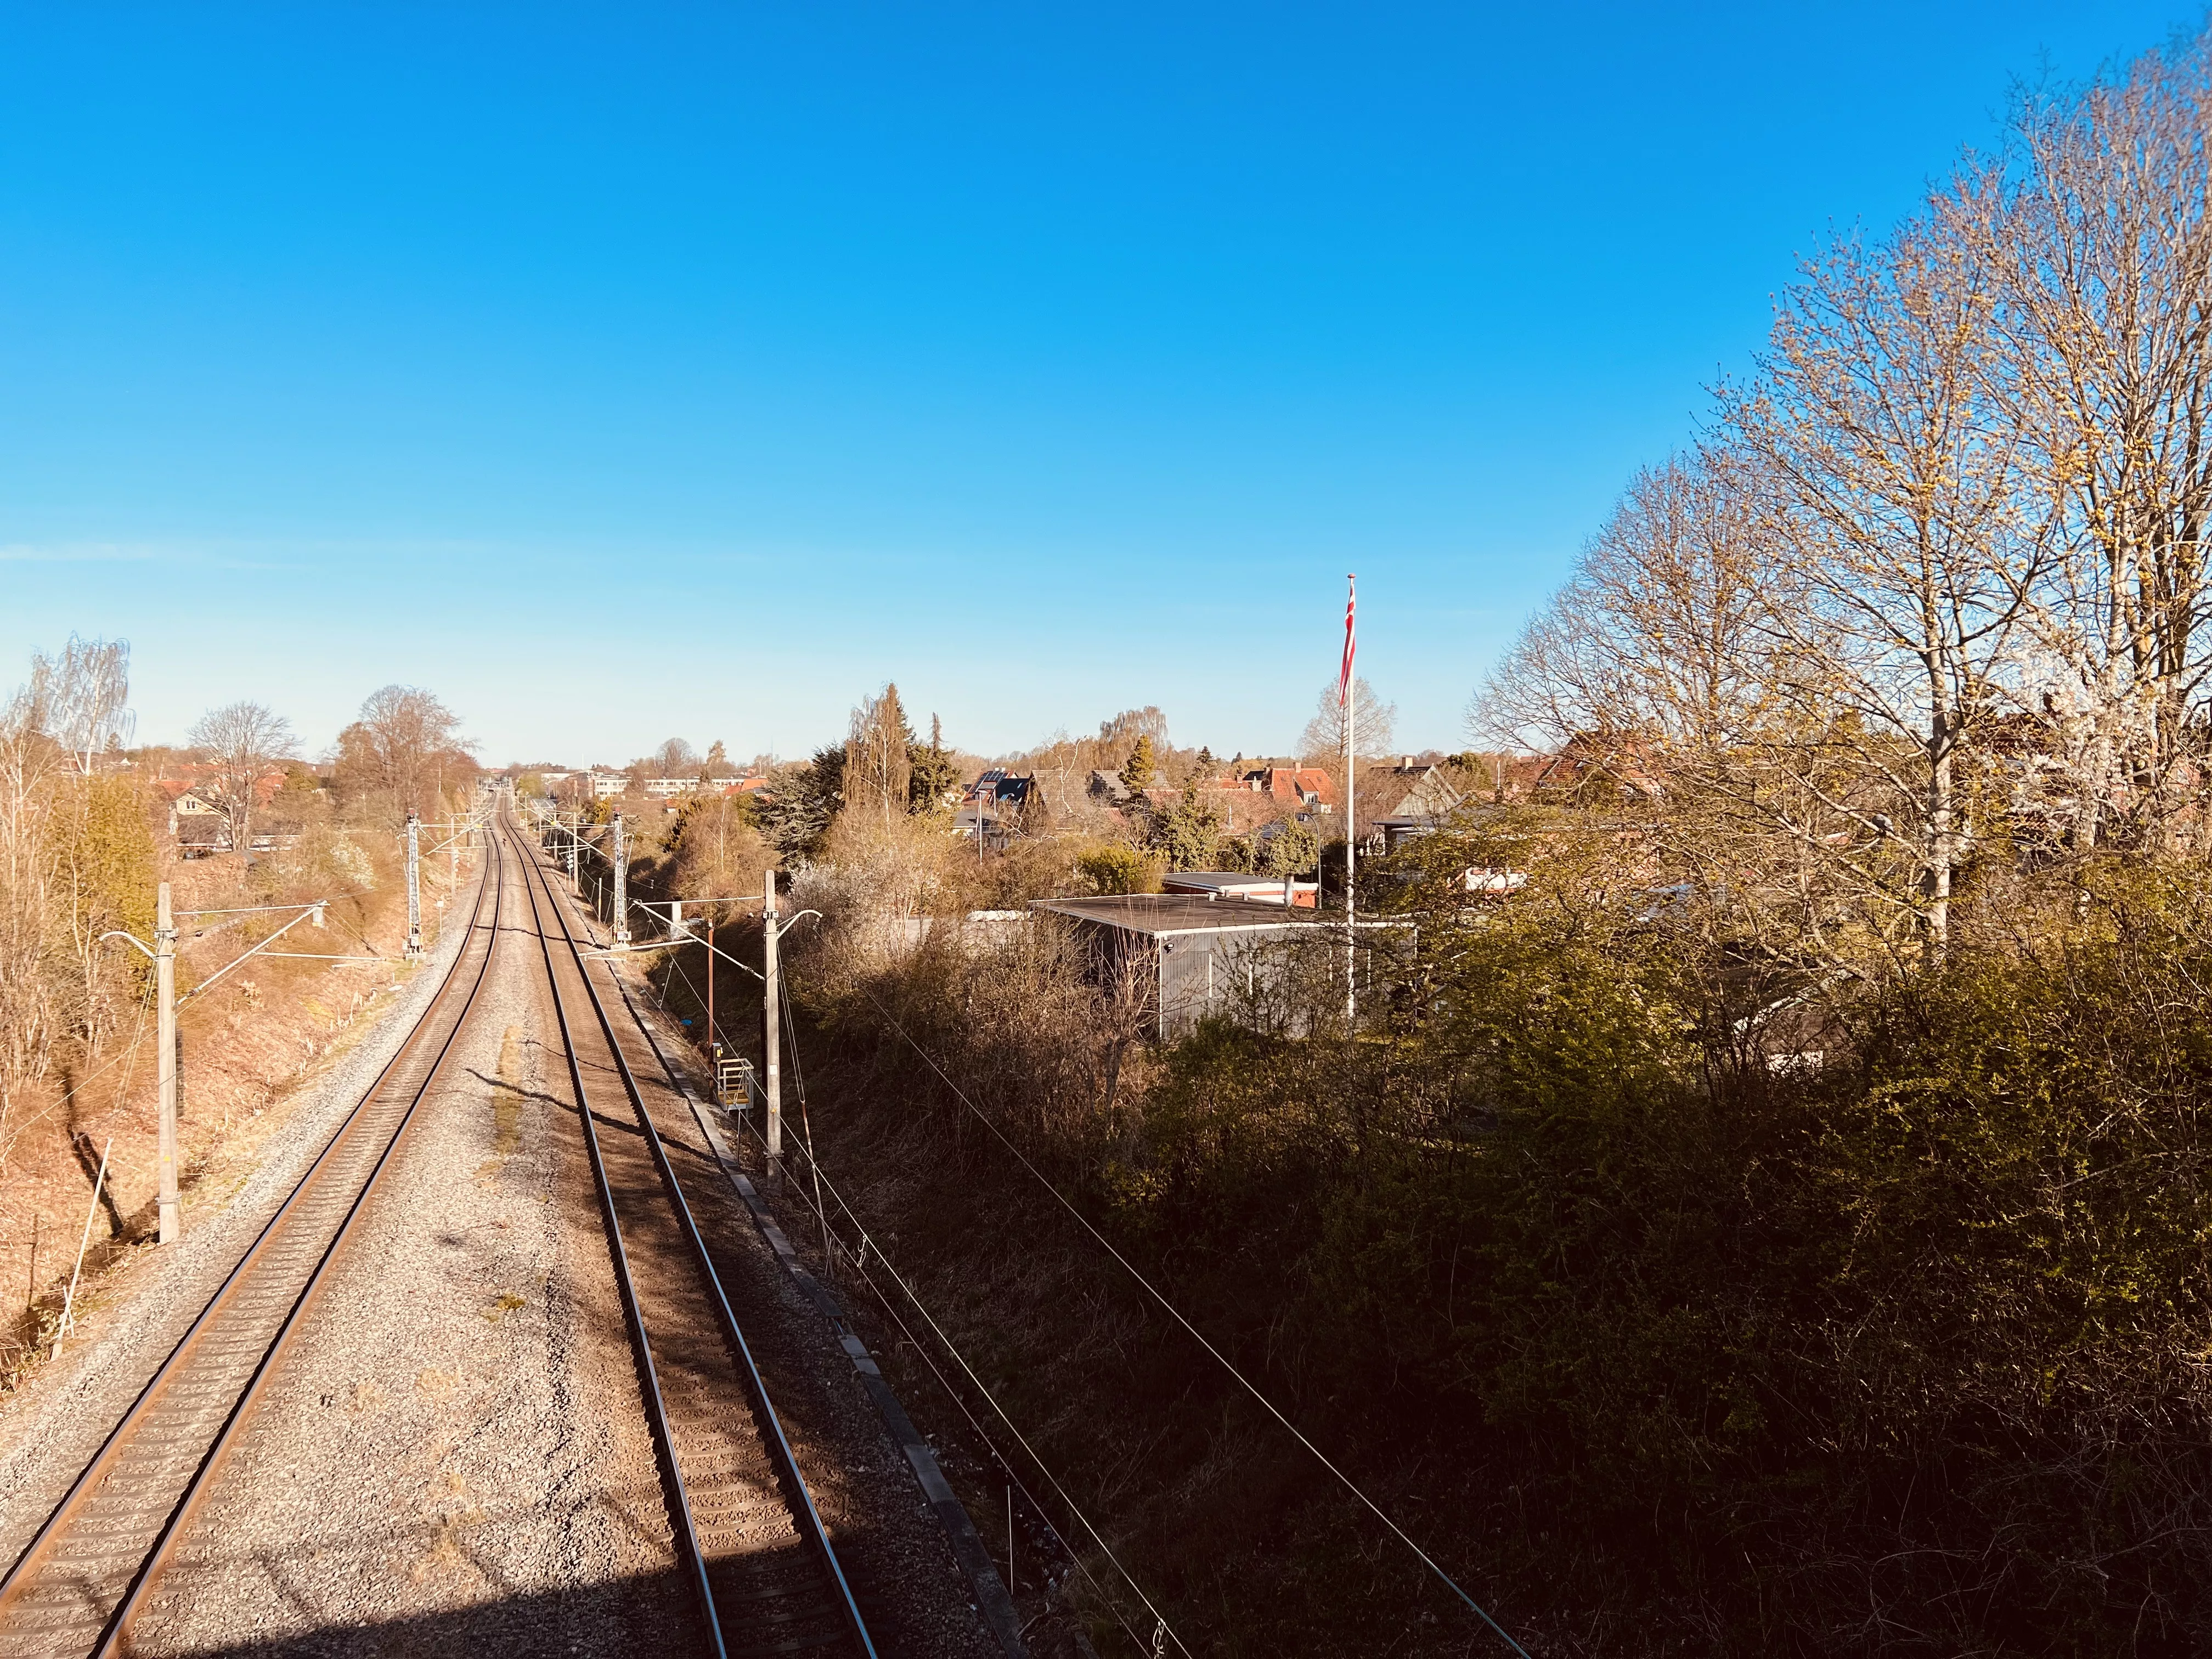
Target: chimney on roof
(1404,762)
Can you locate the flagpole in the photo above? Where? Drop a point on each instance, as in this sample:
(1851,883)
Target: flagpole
(1349,690)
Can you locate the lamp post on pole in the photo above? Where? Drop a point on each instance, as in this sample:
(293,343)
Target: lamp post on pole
(163,956)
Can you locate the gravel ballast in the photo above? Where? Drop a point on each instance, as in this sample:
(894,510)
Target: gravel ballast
(51,1425)
(452,1455)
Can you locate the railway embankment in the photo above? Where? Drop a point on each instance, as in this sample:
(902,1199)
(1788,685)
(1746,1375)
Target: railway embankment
(261,1046)
(137,1297)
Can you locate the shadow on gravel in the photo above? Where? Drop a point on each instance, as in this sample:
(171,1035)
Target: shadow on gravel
(633,1616)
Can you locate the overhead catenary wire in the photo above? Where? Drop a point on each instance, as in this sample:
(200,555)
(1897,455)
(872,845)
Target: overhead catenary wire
(1197,1335)
(1175,1312)
(868,1242)
(806,1123)
(138,1038)
(821,1181)
(814,1168)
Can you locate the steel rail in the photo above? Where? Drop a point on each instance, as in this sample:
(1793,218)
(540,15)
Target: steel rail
(202,1478)
(797,1497)
(173,1375)
(815,1533)
(664,1440)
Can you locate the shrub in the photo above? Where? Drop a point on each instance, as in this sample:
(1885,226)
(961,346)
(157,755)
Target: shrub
(1116,868)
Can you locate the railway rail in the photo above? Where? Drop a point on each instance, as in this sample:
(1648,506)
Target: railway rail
(747,1533)
(92,1567)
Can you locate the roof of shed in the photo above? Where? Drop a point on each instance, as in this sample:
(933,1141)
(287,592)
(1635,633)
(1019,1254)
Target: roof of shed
(1177,913)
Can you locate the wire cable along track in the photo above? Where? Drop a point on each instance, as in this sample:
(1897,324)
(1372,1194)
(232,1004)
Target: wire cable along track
(747,1534)
(92,1567)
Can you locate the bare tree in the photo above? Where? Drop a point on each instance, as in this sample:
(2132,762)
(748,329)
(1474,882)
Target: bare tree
(674,759)
(2099,226)
(717,854)
(1815,629)
(1115,735)
(1906,536)
(878,767)
(405,748)
(242,743)
(86,693)
(28,758)
(1376,723)
(1655,638)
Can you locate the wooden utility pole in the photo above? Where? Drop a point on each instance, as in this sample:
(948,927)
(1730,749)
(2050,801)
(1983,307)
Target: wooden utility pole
(165,1063)
(771,1018)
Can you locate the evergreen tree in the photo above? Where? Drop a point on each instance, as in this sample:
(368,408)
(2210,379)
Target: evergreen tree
(931,773)
(1292,850)
(807,799)
(1139,769)
(1190,832)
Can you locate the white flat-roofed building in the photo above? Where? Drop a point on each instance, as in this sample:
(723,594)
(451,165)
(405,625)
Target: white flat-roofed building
(1193,956)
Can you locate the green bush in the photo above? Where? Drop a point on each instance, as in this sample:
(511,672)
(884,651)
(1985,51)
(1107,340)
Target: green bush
(1685,1303)
(1113,868)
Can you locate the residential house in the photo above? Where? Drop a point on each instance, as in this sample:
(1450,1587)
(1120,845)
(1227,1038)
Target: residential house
(200,826)
(1306,791)
(1412,798)
(997,804)
(1597,768)
(1108,787)
(197,825)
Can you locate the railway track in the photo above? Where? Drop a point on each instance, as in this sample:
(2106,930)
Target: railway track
(95,1564)
(747,1533)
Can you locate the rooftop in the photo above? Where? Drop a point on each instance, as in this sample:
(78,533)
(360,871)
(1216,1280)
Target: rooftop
(1176,913)
(1240,884)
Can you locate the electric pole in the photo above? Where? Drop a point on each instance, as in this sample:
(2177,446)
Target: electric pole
(1351,691)
(414,886)
(771,1022)
(622,887)
(165,1035)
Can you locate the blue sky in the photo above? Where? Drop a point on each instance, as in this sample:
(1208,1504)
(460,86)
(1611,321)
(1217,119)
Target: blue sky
(636,371)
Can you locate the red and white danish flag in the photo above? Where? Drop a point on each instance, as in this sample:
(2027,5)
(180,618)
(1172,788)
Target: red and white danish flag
(1343,677)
